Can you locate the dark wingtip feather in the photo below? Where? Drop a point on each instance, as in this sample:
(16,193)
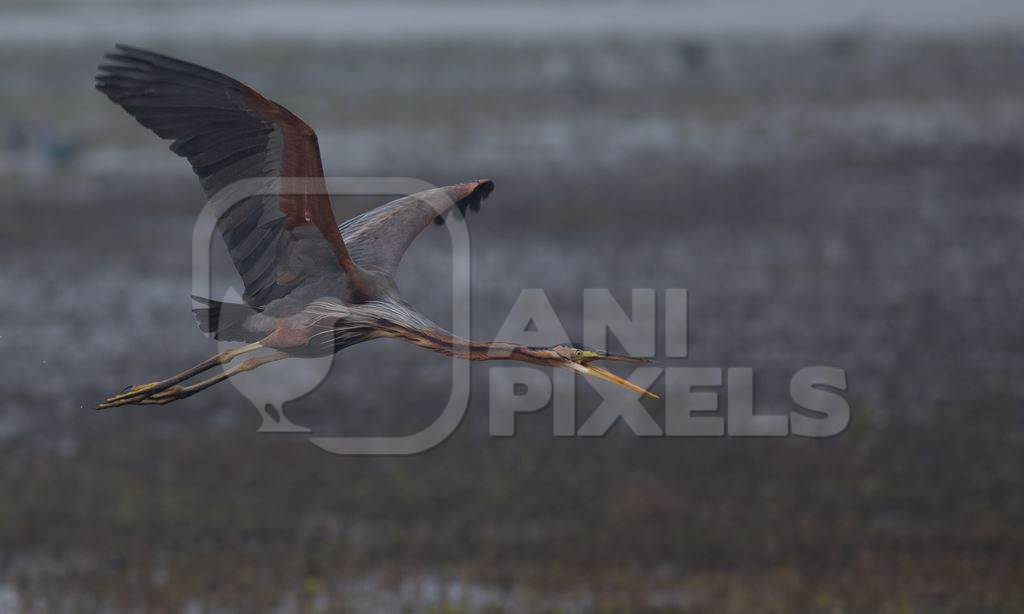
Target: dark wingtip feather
(471,201)
(114,65)
(130,52)
(480,192)
(485,188)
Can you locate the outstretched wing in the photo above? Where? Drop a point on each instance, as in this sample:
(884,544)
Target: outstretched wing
(378,238)
(229,132)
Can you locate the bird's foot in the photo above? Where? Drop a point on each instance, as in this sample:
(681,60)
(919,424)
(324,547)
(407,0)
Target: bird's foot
(133,391)
(165,396)
(132,395)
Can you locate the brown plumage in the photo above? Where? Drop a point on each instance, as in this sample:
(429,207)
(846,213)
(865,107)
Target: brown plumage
(312,286)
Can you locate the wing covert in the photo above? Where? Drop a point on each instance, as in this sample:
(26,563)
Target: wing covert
(378,238)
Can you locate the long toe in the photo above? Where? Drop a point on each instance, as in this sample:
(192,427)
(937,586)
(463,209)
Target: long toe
(164,396)
(134,391)
(132,395)
(112,402)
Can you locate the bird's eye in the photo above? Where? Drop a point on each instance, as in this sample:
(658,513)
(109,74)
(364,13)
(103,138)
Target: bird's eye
(579,353)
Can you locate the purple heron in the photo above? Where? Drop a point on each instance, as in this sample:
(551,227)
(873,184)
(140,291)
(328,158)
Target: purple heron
(312,287)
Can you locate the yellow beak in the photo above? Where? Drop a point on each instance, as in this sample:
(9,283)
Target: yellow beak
(608,376)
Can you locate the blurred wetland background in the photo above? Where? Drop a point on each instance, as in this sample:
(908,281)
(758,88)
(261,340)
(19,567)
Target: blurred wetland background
(835,183)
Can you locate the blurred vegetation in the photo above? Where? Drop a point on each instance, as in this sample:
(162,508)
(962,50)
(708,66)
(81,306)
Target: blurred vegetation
(909,517)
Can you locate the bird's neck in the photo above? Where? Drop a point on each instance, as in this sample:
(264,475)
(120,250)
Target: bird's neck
(444,342)
(405,323)
(450,345)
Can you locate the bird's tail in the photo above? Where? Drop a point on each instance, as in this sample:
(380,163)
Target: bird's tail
(225,321)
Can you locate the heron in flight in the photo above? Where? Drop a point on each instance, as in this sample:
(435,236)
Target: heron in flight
(312,287)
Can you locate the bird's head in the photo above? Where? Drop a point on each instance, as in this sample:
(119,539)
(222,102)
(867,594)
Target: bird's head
(580,359)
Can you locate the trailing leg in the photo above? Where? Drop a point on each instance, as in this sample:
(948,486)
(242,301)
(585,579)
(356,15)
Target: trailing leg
(176,393)
(135,394)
